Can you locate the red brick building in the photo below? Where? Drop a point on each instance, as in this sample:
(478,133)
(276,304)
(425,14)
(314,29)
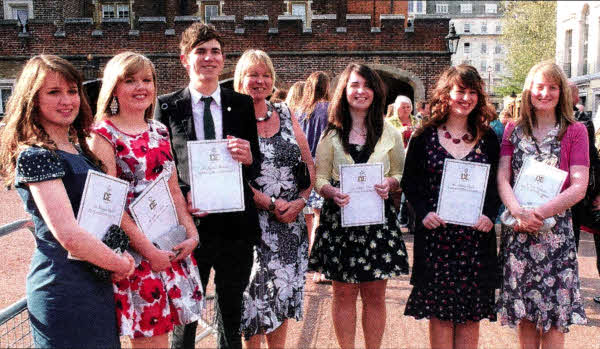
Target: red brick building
(301,36)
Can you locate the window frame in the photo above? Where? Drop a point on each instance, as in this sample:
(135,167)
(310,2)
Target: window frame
(467,47)
(467,27)
(413,7)
(466,8)
(441,8)
(5,84)
(483,47)
(10,5)
(491,8)
(117,9)
(498,49)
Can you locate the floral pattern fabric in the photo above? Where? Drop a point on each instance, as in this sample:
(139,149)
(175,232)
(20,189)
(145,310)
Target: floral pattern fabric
(150,303)
(541,278)
(453,254)
(276,289)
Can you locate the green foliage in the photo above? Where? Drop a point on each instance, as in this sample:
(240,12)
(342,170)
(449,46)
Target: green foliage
(529,35)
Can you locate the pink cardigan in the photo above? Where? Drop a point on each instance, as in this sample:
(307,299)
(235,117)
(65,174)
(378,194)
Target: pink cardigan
(574,147)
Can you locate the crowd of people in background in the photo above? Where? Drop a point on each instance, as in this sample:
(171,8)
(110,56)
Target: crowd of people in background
(290,145)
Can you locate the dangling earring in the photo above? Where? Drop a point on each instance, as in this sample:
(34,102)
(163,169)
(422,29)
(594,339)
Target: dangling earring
(114,106)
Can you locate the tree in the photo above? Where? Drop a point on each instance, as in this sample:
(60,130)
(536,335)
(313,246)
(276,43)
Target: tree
(529,35)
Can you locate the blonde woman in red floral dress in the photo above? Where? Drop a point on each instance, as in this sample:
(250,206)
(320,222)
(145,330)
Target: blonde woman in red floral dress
(165,288)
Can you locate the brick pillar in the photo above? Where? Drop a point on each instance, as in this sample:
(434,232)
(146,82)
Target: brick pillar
(341,11)
(171,10)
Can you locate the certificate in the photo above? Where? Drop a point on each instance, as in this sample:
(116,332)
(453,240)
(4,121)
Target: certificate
(538,183)
(215,177)
(102,203)
(366,207)
(154,211)
(462,191)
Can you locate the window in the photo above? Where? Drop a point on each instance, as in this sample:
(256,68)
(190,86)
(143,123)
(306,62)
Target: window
(467,28)
(416,7)
(483,67)
(209,9)
(491,8)
(441,8)
(568,52)
(498,49)
(467,61)
(498,67)
(586,30)
(466,8)
(499,28)
(5,92)
(299,10)
(467,47)
(18,9)
(115,11)
(484,27)
(483,47)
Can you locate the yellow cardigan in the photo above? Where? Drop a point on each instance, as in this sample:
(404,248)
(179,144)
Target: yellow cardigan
(389,150)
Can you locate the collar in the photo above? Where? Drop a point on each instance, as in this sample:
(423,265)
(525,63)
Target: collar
(216,95)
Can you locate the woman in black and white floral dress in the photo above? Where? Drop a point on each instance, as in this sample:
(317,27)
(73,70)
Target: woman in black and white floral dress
(276,289)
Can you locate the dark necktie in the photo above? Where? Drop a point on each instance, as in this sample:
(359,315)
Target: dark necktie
(209,124)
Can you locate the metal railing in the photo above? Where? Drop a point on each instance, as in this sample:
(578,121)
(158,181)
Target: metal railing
(15,331)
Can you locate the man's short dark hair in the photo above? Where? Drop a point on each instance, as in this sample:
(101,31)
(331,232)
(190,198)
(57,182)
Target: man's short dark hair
(197,34)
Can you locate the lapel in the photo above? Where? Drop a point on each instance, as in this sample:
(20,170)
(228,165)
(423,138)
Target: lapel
(184,110)
(226,110)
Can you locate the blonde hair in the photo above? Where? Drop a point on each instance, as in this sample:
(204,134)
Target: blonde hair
(399,100)
(22,118)
(564,108)
(248,59)
(294,97)
(121,66)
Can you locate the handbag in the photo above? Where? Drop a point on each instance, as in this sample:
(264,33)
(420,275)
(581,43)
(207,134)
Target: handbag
(302,175)
(116,240)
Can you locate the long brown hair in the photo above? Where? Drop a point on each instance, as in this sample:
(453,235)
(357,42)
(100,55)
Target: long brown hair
(564,108)
(339,111)
(465,76)
(23,127)
(315,91)
(120,67)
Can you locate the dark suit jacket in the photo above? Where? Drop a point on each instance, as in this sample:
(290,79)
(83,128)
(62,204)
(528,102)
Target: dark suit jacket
(174,110)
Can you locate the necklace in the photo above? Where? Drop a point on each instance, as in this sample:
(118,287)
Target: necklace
(268,114)
(465,138)
(364,133)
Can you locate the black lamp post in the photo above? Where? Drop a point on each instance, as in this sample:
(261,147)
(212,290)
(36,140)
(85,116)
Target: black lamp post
(452,39)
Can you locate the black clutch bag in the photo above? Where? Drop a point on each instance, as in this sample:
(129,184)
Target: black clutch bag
(118,241)
(302,175)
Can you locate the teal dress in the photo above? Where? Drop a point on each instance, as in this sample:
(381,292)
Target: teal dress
(68,307)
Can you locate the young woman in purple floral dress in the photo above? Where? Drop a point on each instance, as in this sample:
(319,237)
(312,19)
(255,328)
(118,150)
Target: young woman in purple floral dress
(540,290)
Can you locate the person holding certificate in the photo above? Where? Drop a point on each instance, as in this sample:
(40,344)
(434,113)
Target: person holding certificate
(44,155)
(454,269)
(275,292)
(540,289)
(359,258)
(165,287)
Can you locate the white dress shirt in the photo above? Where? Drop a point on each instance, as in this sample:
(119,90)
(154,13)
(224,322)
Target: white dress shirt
(215,110)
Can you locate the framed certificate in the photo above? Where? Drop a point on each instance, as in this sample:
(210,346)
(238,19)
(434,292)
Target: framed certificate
(102,203)
(366,207)
(215,177)
(462,191)
(538,183)
(154,211)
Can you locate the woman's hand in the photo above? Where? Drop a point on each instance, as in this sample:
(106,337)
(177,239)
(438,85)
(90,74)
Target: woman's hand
(239,150)
(383,189)
(340,198)
(185,248)
(528,221)
(288,211)
(196,212)
(432,221)
(161,260)
(484,224)
(128,265)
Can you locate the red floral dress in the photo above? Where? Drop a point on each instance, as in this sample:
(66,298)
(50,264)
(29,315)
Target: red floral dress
(150,303)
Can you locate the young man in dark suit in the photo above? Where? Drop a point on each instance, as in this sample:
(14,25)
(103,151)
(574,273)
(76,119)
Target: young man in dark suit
(204,110)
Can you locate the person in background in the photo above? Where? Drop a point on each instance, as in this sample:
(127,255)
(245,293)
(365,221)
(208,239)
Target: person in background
(454,270)
(45,156)
(312,115)
(402,118)
(423,110)
(294,97)
(276,289)
(358,259)
(278,96)
(540,289)
(203,111)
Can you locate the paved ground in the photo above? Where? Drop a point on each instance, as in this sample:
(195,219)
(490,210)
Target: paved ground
(316,331)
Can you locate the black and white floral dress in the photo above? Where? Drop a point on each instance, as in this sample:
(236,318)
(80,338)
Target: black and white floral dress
(276,289)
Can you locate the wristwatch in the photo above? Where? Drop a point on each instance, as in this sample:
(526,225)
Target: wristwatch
(272,204)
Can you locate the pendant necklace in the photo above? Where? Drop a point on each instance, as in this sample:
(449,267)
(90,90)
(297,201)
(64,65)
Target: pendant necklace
(268,114)
(465,138)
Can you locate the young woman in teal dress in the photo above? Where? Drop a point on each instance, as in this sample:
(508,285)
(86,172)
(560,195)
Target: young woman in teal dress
(44,155)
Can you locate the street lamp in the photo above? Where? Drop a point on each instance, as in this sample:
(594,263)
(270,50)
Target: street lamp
(452,39)
(489,70)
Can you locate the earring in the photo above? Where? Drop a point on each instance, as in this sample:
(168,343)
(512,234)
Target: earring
(114,106)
